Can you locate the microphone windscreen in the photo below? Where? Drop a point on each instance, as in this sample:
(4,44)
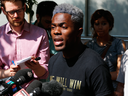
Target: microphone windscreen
(33,85)
(12,84)
(52,88)
(21,80)
(27,73)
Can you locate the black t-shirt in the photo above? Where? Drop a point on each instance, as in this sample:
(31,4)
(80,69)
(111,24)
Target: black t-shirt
(82,75)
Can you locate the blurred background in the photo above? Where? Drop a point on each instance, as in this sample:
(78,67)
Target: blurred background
(118,8)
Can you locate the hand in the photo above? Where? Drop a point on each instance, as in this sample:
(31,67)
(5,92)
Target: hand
(13,69)
(33,64)
(36,67)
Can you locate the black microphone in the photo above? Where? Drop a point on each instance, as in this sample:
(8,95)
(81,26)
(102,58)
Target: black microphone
(37,88)
(27,73)
(34,89)
(12,85)
(52,88)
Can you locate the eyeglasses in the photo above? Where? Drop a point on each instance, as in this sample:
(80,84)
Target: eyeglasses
(11,13)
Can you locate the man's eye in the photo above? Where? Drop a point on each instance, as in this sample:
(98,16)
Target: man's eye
(52,27)
(11,12)
(18,11)
(64,27)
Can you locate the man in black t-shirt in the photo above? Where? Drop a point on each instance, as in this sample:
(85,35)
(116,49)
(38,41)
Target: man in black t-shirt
(80,70)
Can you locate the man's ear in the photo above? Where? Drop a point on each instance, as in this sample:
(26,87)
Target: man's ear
(25,7)
(3,10)
(80,32)
(37,17)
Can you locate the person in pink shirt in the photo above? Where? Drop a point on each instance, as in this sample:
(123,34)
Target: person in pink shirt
(19,40)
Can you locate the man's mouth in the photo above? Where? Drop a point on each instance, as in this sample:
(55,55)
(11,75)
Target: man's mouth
(16,19)
(58,41)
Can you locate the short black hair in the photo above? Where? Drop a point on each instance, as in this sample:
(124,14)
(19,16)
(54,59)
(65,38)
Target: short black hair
(45,8)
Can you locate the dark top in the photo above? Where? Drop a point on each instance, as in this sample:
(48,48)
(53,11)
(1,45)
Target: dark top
(111,56)
(82,75)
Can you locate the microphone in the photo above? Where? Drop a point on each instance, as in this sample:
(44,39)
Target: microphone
(27,73)
(12,85)
(52,88)
(34,89)
(37,88)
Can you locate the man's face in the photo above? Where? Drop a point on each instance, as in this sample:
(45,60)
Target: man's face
(14,12)
(45,22)
(63,31)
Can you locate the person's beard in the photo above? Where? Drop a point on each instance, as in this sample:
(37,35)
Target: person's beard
(15,24)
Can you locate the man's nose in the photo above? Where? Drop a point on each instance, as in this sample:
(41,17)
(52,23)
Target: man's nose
(15,14)
(57,30)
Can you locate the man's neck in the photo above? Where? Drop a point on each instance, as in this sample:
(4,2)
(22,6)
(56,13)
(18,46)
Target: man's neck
(17,29)
(74,51)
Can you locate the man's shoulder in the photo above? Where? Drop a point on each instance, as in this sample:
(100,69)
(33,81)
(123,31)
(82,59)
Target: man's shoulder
(36,27)
(55,56)
(91,53)
(32,27)
(4,27)
(37,30)
(92,58)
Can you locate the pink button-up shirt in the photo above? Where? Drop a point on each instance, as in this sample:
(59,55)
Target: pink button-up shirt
(32,41)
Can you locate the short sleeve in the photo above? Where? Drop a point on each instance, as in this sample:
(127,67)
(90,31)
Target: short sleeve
(101,81)
(120,49)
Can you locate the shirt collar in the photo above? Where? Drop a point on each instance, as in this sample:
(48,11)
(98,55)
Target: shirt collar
(8,28)
(25,27)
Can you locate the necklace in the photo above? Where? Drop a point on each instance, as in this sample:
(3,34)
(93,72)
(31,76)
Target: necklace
(106,43)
